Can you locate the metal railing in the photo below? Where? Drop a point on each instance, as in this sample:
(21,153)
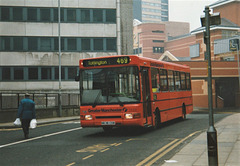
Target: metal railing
(42,100)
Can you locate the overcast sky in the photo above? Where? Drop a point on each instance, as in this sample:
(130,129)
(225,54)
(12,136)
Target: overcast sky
(188,11)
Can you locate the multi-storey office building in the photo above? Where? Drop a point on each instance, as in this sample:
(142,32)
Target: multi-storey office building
(151,10)
(29,58)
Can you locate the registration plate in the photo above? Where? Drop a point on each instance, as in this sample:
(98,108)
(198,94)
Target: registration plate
(108,123)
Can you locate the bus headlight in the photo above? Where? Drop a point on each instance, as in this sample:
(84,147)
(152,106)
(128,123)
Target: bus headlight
(129,116)
(88,117)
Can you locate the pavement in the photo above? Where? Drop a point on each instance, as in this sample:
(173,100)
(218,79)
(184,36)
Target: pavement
(194,153)
(42,121)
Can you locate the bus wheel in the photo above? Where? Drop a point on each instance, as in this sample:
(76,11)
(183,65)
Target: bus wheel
(184,112)
(157,119)
(107,128)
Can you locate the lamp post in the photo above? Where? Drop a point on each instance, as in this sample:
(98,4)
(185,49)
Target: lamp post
(59,60)
(206,21)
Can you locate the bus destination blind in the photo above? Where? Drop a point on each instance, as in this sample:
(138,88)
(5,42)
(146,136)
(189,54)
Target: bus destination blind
(106,61)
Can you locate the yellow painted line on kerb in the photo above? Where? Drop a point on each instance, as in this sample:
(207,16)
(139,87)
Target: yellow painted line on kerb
(71,164)
(156,153)
(160,153)
(88,157)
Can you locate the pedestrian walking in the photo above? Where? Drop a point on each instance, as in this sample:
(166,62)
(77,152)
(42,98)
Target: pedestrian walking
(26,112)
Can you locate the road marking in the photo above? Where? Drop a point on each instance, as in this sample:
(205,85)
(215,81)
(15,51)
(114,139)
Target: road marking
(71,164)
(118,144)
(105,150)
(35,138)
(88,157)
(156,153)
(161,151)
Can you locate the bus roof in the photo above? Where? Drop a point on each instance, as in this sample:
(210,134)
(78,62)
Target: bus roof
(111,61)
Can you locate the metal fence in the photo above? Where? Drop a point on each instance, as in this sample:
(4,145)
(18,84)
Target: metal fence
(42,100)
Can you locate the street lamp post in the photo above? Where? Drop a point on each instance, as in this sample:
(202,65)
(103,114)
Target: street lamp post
(212,132)
(59,61)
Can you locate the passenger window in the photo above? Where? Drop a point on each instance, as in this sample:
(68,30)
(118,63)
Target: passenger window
(155,80)
(163,80)
(183,81)
(177,80)
(171,81)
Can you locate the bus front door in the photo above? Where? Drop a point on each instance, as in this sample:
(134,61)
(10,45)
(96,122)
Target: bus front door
(146,96)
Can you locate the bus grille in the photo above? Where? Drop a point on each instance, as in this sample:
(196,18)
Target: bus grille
(108,117)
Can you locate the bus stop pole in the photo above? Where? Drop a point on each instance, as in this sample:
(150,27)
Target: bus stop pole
(211,133)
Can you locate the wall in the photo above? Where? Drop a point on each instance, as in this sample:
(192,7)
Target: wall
(180,47)
(230,11)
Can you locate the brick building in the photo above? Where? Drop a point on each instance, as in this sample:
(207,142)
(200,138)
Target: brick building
(191,47)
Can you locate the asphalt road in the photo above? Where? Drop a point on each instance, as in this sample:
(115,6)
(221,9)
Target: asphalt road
(67,144)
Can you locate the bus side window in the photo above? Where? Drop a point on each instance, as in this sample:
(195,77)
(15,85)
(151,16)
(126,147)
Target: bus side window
(183,81)
(163,80)
(177,81)
(155,80)
(171,80)
(188,81)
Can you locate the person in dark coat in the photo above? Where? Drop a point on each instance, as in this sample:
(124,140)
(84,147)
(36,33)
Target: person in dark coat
(26,112)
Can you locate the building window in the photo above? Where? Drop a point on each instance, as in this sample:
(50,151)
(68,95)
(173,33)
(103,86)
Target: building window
(111,16)
(45,15)
(45,44)
(46,73)
(18,74)
(17,14)
(56,44)
(86,45)
(56,70)
(32,44)
(111,45)
(98,44)
(97,15)
(157,31)
(6,73)
(33,73)
(194,51)
(5,44)
(55,15)
(158,41)
(71,15)
(32,14)
(72,72)
(85,15)
(5,16)
(158,49)
(17,43)
(72,44)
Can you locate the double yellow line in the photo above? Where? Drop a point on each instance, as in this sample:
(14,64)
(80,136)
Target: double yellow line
(163,151)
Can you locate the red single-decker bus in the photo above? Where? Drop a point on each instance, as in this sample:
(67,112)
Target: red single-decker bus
(129,90)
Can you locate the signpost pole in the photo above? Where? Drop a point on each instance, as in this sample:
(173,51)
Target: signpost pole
(211,133)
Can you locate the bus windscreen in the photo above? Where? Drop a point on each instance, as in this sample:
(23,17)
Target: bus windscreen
(117,85)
